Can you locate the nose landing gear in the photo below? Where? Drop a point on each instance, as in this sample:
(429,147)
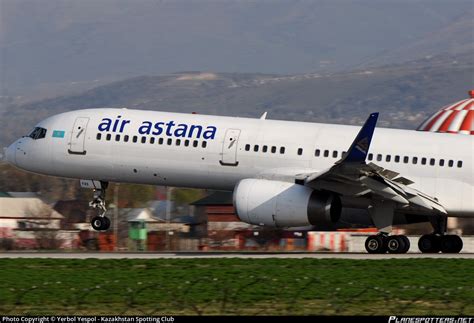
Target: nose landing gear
(99,222)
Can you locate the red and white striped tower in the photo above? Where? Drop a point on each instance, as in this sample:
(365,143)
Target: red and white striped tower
(453,118)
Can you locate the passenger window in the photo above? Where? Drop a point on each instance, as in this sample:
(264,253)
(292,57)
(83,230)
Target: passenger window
(117,137)
(282,150)
(195,143)
(387,158)
(125,138)
(247,147)
(160,141)
(441,162)
(379,157)
(450,163)
(186,143)
(255,148)
(152,140)
(264,148)
(334,154)
(397,158)
(178,142)
(405,160)
(169,142)
(99,135)
(326,153)
(459,163)
(414,160)
(108,137)
(135,138)
(370,157)
(432,161)
(423,161)
(274,149)
(317,152)
(143,140)
(300,151)
(343,154)
(204,144)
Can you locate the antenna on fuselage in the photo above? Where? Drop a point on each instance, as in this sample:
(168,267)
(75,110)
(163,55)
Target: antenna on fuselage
(264,116)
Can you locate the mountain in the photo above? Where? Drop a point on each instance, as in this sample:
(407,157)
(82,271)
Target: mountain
(46,45)
(405,94)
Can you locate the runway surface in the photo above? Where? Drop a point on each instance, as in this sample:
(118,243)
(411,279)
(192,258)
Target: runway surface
(205,255)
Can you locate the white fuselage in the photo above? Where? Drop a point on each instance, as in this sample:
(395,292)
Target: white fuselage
(440,165)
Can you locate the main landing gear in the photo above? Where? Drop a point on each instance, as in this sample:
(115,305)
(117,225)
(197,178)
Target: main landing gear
(439,240)
(99,222)
(435,242)
(382,243)
(428,243)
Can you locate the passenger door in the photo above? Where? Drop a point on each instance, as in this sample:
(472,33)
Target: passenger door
(78,136)
(229,148)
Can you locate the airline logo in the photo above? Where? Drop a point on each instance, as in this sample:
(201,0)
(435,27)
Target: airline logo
(363,145)
(168,128)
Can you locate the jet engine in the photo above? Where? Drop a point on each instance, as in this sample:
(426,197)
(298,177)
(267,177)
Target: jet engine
(283,204)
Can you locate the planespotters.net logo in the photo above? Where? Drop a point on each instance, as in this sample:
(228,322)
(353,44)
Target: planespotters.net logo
(407,319)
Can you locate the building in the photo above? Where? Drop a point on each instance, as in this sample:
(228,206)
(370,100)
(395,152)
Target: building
(31,223)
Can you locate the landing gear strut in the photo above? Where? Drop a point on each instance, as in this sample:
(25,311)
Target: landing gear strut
(99,222)
(382,213)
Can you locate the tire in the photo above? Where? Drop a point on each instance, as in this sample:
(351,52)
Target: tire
(97,223)
(106,224)
(407,243)
(429,243)
(395,244)
(451,244)
(375,244)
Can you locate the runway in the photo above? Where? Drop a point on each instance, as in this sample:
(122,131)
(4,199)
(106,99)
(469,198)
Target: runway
(212,255)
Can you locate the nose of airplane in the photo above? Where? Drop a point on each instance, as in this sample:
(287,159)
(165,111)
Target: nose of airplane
(10,153)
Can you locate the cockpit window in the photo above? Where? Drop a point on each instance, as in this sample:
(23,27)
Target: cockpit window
(37,133)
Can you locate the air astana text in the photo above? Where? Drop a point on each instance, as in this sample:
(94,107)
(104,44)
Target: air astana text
(169,128)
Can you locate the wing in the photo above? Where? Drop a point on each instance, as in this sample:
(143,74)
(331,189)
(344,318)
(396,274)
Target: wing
(351,176)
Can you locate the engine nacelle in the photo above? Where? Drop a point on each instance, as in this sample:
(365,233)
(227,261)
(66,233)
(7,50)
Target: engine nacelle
(283,204)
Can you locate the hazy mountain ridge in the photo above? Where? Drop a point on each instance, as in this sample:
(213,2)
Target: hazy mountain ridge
(404,94)
(59,41)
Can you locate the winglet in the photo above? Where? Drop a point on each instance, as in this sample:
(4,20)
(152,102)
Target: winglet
(359,149)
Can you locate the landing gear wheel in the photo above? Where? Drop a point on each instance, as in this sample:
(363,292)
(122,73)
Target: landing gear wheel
(106,223)
(429,243)
(100,223)
(397,244)
(375,244)
(451,244)
(407,243)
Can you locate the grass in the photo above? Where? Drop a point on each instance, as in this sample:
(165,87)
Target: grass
(237,286)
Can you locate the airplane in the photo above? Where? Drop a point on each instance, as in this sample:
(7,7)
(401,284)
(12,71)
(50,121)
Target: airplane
(282,173)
